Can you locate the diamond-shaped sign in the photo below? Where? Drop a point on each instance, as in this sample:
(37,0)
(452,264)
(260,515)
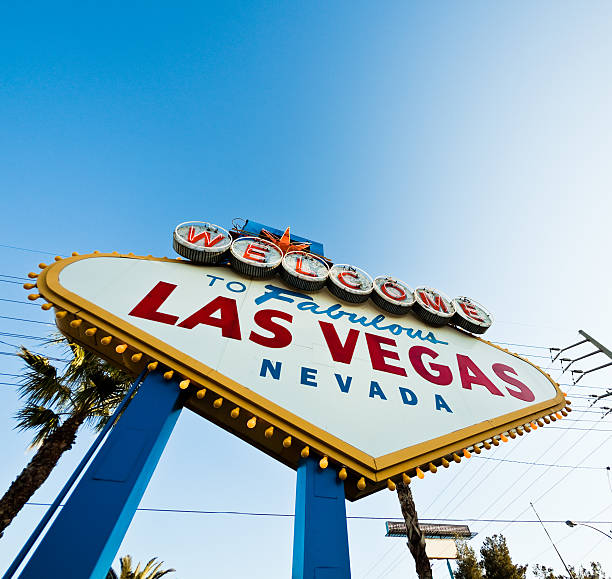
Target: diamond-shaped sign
(295,373)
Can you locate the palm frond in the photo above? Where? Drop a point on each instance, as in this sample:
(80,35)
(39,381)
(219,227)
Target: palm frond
(152,570)
(126,567)
(40,383)
(40,418)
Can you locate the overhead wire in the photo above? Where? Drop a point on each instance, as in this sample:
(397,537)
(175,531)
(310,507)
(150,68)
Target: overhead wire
(482,480)
(352,517)
(568,534)
(564,477)
(18,301)
(27,320)
(531,483)
(7,246)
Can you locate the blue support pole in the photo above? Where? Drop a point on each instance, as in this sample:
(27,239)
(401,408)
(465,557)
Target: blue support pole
(320,537)
(23,553)
(83,540)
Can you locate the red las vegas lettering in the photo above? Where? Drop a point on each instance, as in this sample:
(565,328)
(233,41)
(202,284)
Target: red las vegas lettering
(523,393)
(435,373)
(340,352)
(281,336)
(378,354)
(470,374)
(227,319)
(148,307)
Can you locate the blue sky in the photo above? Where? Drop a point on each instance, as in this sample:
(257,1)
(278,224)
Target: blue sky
(461,145)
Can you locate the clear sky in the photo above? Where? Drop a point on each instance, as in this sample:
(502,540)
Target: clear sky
(464,146)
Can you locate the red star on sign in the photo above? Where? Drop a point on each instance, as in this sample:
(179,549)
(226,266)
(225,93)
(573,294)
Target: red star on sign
(284,242)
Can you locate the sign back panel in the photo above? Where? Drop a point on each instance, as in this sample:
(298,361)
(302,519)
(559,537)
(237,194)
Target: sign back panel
(294,372)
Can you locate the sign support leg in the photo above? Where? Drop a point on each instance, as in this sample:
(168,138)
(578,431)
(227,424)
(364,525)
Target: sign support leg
(320,537)
(84,539)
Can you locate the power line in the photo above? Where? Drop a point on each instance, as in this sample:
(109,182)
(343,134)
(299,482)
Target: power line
(26,320)
(26,249)
(17,301)
(22,336)
(555,483)
(542,463)
(355,517)
(522,345)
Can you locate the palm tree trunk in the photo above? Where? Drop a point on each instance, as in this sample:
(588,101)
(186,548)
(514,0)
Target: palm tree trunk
(38,470)
(416,540)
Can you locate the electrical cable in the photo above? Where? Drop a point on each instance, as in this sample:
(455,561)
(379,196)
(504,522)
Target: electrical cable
(543,464)
(564,477)
(18,301)
(26,320)
(22,336)
(6,246)
(352,517)
(568,534)
(378,559)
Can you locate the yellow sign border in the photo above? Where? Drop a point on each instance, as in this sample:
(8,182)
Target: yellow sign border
(379,471)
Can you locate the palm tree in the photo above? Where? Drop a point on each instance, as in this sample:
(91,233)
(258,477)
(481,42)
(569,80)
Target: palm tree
(150,571)
(416,539)
(55,406)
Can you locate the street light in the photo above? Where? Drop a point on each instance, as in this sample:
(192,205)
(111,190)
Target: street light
(574,524)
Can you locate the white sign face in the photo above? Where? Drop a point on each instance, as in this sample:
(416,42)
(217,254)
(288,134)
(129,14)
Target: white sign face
(441,548)
(377,383)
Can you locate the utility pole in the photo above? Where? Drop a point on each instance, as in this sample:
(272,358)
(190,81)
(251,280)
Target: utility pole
(600,349)
(416,539)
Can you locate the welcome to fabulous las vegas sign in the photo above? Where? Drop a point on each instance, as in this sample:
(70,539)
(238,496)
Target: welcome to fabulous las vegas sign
(301,357)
